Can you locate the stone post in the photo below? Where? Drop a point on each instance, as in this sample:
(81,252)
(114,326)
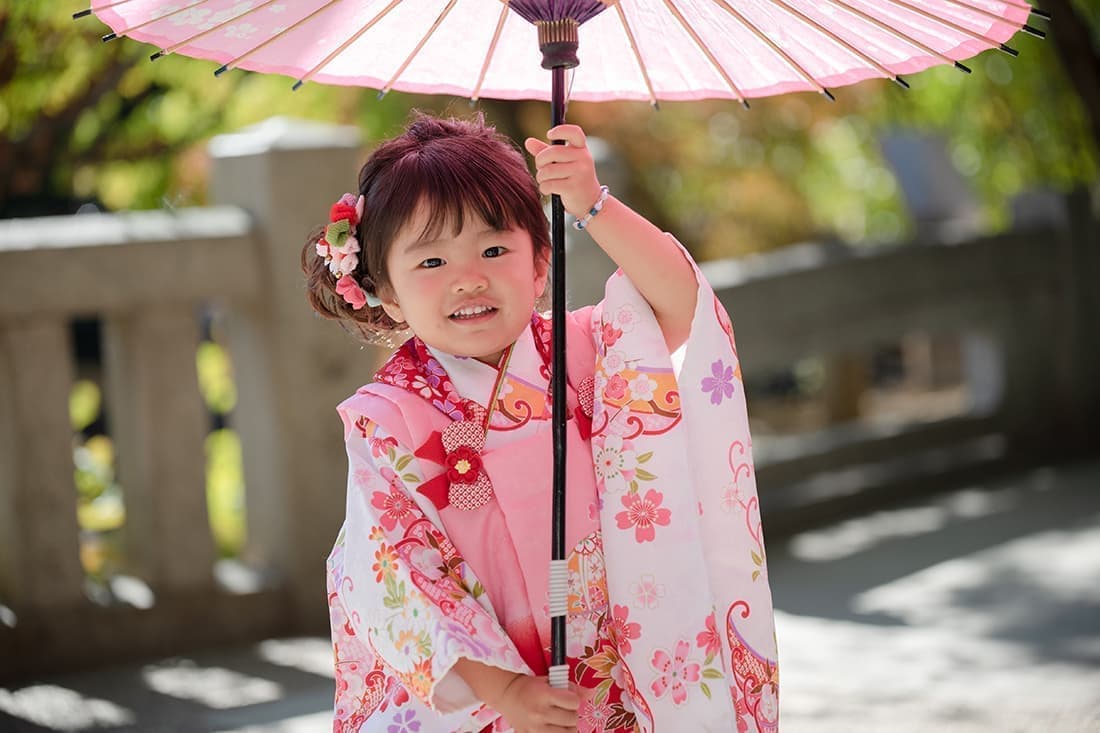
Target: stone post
(39,556)
(292,368)
(159,421)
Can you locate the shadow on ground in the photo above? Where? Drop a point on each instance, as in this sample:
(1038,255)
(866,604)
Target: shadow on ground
(974,610)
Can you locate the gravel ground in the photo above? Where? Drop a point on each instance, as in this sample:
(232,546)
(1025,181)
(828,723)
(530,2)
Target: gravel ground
(974,611)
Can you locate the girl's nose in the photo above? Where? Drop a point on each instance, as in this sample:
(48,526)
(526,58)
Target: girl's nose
(469,281)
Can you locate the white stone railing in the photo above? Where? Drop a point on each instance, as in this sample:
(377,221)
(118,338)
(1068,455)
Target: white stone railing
(146,275)
(1021,304)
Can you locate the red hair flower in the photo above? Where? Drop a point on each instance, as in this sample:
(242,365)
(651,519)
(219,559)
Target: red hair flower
(348,207)
(340,211)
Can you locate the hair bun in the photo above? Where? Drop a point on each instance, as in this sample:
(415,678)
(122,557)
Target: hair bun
(425,128)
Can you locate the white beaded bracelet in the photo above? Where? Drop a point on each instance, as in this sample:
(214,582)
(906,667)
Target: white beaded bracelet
(582,222)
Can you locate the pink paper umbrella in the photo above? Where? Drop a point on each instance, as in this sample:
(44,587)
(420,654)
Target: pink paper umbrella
(637,49)
(632,49)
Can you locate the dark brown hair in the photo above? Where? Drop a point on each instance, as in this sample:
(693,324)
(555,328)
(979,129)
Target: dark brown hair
(457,168)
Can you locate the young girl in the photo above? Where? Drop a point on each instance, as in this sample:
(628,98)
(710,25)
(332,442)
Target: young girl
(438,579)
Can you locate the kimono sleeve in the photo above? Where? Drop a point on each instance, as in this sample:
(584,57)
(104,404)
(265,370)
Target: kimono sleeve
(401,585)
(680,516)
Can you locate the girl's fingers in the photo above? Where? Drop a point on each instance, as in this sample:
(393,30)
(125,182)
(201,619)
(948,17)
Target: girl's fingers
(558,716)
(555,172)
(565,699)
(571,134)
(534,146)
(561,153)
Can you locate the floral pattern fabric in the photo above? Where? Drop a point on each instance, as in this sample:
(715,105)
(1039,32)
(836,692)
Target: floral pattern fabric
(670,620)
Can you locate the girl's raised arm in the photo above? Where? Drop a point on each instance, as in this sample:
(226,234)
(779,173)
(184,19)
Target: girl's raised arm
(649,257)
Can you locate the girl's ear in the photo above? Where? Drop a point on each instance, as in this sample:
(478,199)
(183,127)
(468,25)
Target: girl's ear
(542,273)
(389,304)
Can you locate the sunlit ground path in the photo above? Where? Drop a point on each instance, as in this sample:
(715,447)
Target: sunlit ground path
(975,610)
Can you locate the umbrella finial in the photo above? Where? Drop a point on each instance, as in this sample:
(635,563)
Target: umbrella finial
(558,43)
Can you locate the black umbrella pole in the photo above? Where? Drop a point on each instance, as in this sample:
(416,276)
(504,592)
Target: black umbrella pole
(558,43)
(558,570)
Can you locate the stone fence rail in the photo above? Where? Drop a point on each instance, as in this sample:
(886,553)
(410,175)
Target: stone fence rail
(1022,300)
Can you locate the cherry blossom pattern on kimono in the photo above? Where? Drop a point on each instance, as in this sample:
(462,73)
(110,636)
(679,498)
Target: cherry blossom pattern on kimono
(404,605)
(672,454)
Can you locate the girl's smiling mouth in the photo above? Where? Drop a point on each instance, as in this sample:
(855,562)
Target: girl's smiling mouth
(473,313)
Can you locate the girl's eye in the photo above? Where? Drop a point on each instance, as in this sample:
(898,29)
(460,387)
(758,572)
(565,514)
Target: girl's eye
(496,251)
(432,262)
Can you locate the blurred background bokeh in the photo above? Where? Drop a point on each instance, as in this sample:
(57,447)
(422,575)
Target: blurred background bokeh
(910,274)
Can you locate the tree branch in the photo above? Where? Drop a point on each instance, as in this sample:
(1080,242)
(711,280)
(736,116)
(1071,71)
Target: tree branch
(1070,33)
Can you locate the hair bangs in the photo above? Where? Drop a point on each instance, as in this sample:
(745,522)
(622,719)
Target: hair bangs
(457,184)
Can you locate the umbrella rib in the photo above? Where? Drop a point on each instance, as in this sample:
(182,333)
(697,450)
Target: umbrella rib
(841,42)
(127,31)
(424,39)
(997,18)
(637,53)
(706,52)
(492,49)
(1028,7)
(88,11)
(184,42)
(898,34)
(231,64)
(340,49)
(957,28)
(775,47)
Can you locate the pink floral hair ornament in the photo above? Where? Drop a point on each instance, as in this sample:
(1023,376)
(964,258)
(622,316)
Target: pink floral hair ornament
(339,248)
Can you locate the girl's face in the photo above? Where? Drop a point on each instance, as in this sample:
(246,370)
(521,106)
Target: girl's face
(468,293)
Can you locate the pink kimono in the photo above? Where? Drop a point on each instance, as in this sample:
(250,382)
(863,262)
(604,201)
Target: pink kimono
(670,622)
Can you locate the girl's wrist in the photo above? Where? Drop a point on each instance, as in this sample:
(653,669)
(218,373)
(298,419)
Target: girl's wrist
(499,697)
(593,209)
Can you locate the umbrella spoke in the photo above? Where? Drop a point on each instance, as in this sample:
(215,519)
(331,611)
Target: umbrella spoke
(127,31)
(231,64)
(186,41)
(955,27)
(996,18)
(88,11)
(706,52)
(492,49)
(637,53)
(775,47)
(424,39)
(899,34)
(340,49)
(1028,7)
(842,43)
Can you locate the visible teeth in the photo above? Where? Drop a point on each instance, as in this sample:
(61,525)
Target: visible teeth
(472,311)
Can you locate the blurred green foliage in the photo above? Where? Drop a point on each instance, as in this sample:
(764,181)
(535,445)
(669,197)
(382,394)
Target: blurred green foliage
(216,377)
(224,469)
(85,401)
(88,121)
(225,492)
(731,181)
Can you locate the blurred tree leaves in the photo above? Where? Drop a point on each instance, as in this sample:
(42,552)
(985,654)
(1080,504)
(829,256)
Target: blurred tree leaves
(86,121)
(794,167)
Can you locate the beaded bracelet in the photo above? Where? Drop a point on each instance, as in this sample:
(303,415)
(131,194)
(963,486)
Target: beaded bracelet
(582,222)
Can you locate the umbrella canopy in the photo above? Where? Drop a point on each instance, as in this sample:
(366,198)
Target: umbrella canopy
(632,49)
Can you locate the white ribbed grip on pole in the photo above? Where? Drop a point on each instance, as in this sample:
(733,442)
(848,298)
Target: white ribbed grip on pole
(559,587)
(558,676)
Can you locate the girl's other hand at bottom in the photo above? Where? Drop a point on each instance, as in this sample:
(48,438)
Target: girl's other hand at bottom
(531,705)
